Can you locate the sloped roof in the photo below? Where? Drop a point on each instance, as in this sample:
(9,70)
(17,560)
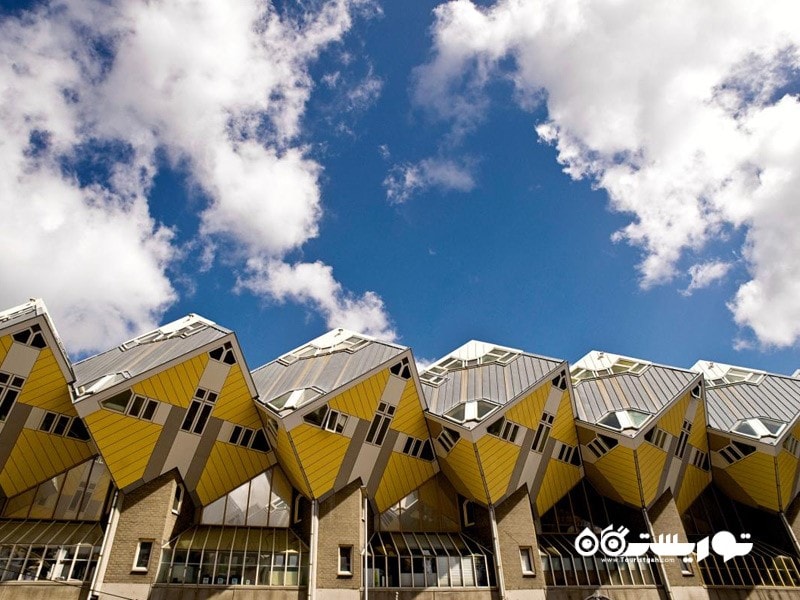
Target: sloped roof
(150,350)
(326,366)
(495,381)
(649,390)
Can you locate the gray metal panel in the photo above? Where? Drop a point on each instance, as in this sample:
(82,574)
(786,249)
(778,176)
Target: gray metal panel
(495,382)
(649,391)
(326,372)
(776,397)
(142,358)
(14,317)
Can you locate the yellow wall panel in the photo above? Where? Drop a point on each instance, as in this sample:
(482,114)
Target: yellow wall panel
(175,385)
(697,436)
(5,344)
(362,399)
(46,386)
(651,461)
(756,475)
(403,474)
(462,466)
(787,468)
(528,411)
(38,456)
(692,485)
(619,470)
(321,454)
(235,403)
(498,459)
(124,442)
(559,478)
(564,423)
(288,462)
(672,421)
(227,468)
(409,418)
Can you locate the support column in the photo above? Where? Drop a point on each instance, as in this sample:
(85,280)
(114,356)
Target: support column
(501,585)
(516,533)
(312,550)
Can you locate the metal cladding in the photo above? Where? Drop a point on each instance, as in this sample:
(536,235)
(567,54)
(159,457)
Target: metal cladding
(753,433)
(482,423)
(642,429)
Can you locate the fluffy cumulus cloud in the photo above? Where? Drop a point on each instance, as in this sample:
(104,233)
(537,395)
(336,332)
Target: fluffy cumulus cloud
(313,284)
(678,110)
(406,179)
(218,88)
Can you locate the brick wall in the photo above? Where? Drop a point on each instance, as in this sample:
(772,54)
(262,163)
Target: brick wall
(339,524)
(145,513)
(665,519)
(514,529)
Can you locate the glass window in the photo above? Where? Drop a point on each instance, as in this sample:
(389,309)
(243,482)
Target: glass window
(526,558)
(345,560)
(143,551)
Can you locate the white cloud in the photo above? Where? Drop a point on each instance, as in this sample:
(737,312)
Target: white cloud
(313,284)
(704,274)
(405,180)
(220,87)
(674,108)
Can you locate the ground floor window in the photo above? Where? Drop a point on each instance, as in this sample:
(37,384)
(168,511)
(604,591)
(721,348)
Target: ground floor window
(54,550)
(219,555)
(420,560)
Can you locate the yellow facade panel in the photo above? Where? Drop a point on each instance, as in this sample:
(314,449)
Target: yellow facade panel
(175,385)
(321,454)
(559,478)
(757,476)
(528,411)
(124,442)
(697,436)
(498,459)
(288,462)
(618,469)
(787,468)
(462,465)
(46,387)
(403,474)
(564,423)
(227,468)
(362,399)
(672,421)
(692,485)
(651,461)
(5,346)
(409,418)
(235,403)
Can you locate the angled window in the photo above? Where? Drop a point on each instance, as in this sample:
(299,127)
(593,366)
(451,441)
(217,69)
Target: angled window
(133,405)
(295,398)
(568,454)
(418,448)
(601,445)
(224,354)
(199,411)
(658,437)
(471,410)
(177,498)
(736,451)
(622,420)
(63,425)
(680,449)
(32,337)
(255,439)
(401,369)
(699,459)
(542,433)
(792,445)
(504,429)
(380,424)
(448,438)
(10,388)
(759,427)
(560,381)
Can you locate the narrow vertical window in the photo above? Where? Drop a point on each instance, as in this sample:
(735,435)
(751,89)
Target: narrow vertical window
(345,560)
(177,500)
(143,551)
(526,559)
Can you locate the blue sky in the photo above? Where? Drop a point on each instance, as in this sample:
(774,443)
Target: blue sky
(429,172)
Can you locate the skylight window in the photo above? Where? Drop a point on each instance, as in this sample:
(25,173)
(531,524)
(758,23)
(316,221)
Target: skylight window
(350,344)
(435,375)
(621,420)
(759,427)
(182,328)
(737,375)
(619,366)
(471,410)
(294,398)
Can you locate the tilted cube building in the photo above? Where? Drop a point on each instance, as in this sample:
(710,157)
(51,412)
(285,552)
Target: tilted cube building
(165,468)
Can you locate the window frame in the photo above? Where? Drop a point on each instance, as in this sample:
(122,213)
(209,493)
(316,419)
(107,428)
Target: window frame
(177,498)
(527,571)
(344,551)
(137,568)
